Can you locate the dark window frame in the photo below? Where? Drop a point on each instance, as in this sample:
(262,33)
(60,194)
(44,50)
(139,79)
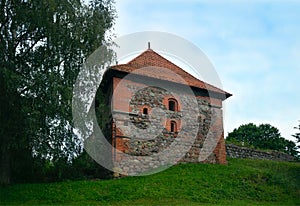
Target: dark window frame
(172,105)
(173,126)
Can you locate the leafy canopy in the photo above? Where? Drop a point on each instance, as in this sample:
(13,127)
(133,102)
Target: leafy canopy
(264,136)
(297,134)
(43,44)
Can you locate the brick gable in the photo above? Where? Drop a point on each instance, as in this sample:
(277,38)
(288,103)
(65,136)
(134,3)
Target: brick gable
(150,58)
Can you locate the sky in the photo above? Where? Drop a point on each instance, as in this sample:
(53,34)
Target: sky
(254,47)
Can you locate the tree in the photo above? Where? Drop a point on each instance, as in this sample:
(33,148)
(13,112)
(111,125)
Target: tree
(245,134)
(297,135)
(43,44)
(263,136)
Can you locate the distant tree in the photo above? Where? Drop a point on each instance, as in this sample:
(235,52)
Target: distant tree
(297,135)
(245,134)
(263,136)
(291,148)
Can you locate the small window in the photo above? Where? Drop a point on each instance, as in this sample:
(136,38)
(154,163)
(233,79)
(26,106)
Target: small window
(173,126)
(173,105)
(145,111)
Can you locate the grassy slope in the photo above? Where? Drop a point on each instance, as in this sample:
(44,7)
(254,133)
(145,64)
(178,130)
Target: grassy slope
(241,182)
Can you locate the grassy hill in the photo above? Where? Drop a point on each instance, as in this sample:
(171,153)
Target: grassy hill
(241,182)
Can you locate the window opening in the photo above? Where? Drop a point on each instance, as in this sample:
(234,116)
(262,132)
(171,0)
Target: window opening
(172,105)
(145,111)
(173,126)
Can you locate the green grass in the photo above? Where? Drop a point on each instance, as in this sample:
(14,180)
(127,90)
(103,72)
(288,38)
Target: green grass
(241,182)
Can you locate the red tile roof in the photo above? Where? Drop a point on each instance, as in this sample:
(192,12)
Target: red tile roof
(150,58)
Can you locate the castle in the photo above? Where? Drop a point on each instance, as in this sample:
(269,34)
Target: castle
(161,115)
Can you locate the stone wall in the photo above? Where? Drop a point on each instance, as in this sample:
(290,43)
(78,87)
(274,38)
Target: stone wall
(234,151)
(146,141)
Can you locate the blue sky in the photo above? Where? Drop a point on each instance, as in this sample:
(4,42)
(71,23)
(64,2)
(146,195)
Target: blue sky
(255,48)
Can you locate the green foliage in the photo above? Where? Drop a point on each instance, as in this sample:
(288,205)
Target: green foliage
(263,136)
(297,134)
(84,167)
(43,44)
(241,182)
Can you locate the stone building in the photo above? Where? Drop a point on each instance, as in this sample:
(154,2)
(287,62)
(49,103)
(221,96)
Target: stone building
(161,115)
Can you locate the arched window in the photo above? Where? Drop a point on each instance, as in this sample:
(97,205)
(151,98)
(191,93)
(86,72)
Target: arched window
(173,126)
(173,106)
(145,111)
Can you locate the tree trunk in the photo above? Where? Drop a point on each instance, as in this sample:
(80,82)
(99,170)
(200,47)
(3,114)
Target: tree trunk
(4,167)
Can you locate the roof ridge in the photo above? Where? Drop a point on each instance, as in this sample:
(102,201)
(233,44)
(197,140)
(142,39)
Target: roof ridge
(150,50)
(158,61)
(138,56)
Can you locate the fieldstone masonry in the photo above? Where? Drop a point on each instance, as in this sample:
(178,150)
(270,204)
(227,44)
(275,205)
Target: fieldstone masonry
(234,151)
(142,136)
(158,137)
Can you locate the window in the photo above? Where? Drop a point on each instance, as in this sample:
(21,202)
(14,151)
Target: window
(145,111)
(173,126)
(173,105)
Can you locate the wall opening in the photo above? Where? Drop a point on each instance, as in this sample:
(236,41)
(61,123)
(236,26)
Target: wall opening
(172,105)
(173,126)
(145,111)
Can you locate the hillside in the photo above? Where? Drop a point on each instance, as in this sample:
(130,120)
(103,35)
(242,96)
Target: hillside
(241,182)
